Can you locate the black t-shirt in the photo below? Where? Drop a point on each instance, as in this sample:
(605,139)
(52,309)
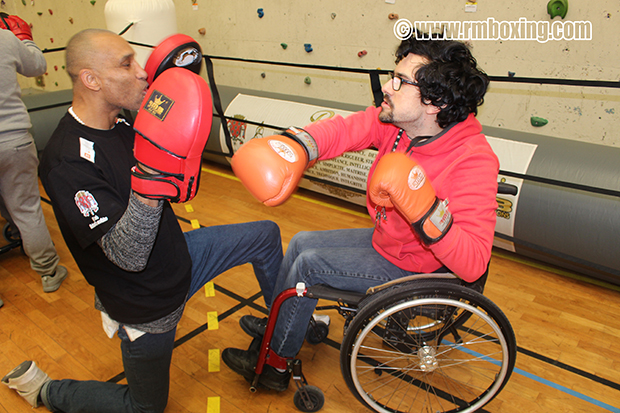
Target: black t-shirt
(86,174)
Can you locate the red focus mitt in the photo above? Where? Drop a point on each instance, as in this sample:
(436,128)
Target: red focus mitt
(178,50)
(172,128)
(20,28)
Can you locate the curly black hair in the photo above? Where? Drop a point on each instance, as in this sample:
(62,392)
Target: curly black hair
(451,80)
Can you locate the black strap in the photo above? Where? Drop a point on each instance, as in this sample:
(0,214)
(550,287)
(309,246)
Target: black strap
(217,103)
(375,84)
(2,17)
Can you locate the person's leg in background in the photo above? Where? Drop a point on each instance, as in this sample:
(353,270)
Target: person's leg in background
(21,202)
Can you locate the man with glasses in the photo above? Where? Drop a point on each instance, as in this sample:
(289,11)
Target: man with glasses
(431,192)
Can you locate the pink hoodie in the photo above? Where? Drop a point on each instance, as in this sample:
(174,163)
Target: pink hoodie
(462,168)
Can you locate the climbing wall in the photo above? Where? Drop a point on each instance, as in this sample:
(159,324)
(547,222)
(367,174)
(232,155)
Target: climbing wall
(361,34)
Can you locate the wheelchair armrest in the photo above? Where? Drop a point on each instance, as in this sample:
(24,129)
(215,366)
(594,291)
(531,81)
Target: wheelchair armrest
(333,294)
(444,276)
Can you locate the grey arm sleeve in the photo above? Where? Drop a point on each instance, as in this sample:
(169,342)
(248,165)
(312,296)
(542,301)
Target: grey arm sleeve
(129,242)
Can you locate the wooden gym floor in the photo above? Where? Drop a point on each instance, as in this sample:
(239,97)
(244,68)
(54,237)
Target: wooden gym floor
(567,329)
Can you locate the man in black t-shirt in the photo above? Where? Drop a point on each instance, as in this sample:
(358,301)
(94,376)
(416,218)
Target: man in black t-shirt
(129,247)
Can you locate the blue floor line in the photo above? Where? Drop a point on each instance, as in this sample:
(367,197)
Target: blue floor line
(544,381)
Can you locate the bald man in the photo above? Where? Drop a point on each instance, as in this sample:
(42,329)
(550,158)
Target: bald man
(130,248)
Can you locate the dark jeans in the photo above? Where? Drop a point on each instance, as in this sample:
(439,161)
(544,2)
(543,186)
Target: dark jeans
(147,359)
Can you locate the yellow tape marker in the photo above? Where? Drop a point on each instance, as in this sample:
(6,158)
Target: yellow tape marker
(214,360)
(209,289)
(212,322)
(195,223)
(213,405)
(189,208)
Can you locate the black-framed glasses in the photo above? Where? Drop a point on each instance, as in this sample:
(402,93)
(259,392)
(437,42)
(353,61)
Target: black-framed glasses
(398,81)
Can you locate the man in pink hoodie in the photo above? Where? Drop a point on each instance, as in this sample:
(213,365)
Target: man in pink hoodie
(427,124)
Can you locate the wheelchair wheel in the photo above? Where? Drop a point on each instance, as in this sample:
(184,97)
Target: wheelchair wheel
(317,332)
(427,347)
(316,399)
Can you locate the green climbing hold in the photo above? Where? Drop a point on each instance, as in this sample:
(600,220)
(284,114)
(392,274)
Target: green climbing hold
(557,8)
(537,121)
(93,2)
(284,45)
(307,80)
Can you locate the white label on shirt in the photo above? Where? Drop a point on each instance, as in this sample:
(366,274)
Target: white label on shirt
(87,150)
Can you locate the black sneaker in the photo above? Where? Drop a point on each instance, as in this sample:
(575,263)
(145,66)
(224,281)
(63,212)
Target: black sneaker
(244,361)
(253,326)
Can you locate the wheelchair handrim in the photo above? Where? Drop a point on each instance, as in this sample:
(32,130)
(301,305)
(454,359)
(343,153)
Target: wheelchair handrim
(490,392)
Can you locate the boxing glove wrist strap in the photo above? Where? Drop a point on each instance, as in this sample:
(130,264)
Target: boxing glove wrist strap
(435,224)
(304,139)
(151,186)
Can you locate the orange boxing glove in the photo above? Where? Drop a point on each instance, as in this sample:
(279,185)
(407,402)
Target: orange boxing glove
(399,182)
(271,167)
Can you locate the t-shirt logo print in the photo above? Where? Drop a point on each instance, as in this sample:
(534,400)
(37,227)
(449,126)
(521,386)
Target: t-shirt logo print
(88,205)
(86,202)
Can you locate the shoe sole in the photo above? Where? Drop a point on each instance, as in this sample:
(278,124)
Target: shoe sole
(16,372)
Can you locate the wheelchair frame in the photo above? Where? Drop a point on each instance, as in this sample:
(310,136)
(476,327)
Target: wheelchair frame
(423,343)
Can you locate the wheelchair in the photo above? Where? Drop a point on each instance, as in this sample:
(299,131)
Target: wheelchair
(423,343)
(11,234)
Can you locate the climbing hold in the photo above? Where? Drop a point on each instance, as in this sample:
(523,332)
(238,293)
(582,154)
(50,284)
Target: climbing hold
(333,16)
(24,2)
(56,83)
(63,67)
(308,47)
(393,16)
(56,68)
(71,20)
(511,74)
(51,12)
(537,121)
(202,31)
(362,53)
(263,75)
(557,8)
(284,45)
(93,2)
(52,39)
(261,13)
(307,80)
(39,13)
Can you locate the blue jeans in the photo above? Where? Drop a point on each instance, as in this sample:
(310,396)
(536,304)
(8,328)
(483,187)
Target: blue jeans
(147,359)
(343,259)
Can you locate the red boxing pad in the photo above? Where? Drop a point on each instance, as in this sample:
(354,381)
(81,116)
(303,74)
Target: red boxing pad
(19,27)
(172,127)
(178,50)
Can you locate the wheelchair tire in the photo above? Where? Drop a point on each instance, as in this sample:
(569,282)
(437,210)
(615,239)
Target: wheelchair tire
(317,332)
(317,399)
(427,347)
